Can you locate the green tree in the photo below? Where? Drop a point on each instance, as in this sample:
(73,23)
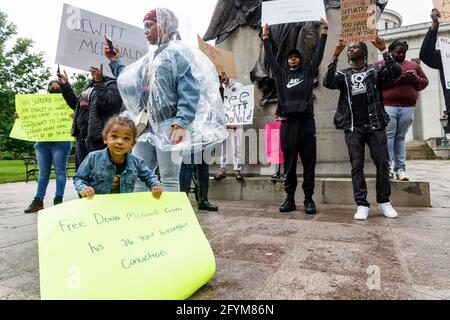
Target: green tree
(21,72)
(79,82)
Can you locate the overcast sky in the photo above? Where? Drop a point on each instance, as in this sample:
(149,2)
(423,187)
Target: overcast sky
(40,19)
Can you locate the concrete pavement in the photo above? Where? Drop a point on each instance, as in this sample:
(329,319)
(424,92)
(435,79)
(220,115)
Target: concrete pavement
(263,254)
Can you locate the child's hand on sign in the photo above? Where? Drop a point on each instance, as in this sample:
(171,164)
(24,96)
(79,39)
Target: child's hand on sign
(157,192)
(88,192)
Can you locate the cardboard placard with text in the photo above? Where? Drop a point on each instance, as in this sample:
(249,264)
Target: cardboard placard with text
(444,44)
(239,106)
(444,8)
(222,59)
(123,247)
(359,20)
(82,39)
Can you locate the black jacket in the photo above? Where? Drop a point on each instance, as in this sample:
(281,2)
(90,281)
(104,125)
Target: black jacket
(104,102)
(378,77)
(432,58)
(295,88)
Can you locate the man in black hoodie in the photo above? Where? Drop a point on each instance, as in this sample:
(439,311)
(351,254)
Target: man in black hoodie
(432,57)
(97,103)
(296,111)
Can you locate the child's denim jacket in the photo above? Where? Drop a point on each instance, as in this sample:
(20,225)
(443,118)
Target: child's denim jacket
(98,172)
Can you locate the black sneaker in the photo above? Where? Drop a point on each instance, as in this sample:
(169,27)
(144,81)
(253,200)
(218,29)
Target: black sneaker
(288,205)
(35,206)
(310,207)
(57,200)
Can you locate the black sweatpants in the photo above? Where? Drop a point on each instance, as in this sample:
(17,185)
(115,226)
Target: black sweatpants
(298,137)
(377,142)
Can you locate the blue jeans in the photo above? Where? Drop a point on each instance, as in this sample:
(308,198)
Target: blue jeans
(46,154)
(169,164)
(401,119)
(147,152)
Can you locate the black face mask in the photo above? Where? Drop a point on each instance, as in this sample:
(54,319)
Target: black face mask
(399,59)
(53,90)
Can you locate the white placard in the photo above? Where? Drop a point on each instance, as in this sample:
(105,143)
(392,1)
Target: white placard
(81,39)
(444,44)
(239,105)
(289,11)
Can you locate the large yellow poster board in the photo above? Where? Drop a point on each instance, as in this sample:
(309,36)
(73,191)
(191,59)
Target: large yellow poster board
(42,118)
(127,246)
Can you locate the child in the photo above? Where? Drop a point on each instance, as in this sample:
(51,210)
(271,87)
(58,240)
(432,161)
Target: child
(115,169)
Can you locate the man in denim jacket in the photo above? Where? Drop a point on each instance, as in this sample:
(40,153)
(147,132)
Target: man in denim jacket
(98,172)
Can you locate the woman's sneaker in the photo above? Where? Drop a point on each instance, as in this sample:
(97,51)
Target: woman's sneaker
(388,210)
(402,176)
(362,213)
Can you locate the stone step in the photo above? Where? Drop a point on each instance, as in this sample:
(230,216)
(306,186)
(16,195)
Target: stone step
(419,150)
(328,191)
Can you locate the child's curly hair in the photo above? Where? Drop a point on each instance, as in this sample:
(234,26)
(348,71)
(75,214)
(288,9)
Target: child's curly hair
(123,121)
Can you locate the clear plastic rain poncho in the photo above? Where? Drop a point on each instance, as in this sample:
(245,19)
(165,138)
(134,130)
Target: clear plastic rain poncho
(153,82)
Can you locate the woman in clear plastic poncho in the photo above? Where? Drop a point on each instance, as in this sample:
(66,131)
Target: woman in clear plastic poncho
(178,86)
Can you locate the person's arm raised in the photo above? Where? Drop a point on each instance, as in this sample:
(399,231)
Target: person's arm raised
(273,64)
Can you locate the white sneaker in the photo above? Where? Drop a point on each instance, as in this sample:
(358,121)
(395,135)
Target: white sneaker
(402,176)
(362,213)
(388,210)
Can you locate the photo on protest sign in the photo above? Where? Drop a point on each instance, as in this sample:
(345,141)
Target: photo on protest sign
(444,44)
(239,106)
(125,246)
(359,20)
(82,39)
(223,60)
(290,11)
(42,118)
(444,8)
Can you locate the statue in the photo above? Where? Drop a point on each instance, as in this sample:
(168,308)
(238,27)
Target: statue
(231,14)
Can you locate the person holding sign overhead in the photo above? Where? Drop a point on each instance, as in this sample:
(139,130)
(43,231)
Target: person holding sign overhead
(296,111)
(46,154)
(432,57)
(360,113)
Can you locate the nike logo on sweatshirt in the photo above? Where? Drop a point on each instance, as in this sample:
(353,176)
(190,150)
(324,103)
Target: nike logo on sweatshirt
(293,83)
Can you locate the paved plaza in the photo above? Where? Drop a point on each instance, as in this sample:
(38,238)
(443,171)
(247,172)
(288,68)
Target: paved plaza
(263,254)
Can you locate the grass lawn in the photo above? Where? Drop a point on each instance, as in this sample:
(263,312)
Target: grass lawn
(14,171)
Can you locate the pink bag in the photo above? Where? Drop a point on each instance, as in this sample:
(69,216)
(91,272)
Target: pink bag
(273,143)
